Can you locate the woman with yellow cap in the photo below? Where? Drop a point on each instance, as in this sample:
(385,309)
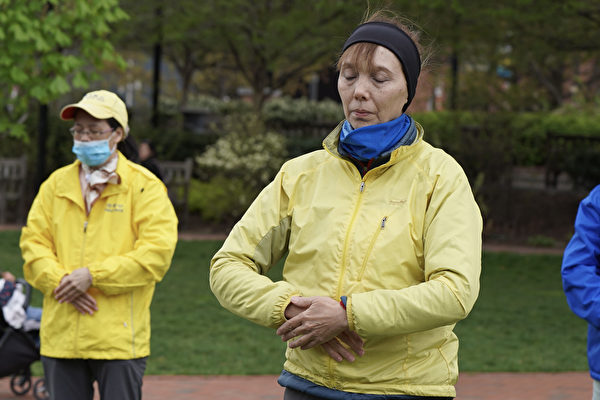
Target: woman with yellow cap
(100,234)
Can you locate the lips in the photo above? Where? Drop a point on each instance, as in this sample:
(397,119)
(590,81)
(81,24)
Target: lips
(361,113)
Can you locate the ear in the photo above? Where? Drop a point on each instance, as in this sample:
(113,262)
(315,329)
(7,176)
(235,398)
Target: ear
(119,135)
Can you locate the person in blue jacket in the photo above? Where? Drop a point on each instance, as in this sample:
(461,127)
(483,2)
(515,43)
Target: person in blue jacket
(581,277)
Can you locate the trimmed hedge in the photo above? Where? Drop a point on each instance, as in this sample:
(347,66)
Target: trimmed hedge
(526,133)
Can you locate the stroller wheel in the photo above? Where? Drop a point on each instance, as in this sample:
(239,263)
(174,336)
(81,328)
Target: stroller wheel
(20,384)
(39,390)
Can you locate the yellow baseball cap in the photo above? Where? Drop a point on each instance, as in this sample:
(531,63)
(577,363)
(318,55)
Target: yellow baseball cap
(100,104)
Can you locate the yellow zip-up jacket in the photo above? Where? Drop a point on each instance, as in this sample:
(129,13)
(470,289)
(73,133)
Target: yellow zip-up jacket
(403,243)
(127,242)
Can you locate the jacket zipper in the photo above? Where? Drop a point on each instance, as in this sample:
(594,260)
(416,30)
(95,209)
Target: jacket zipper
(81,259)
(338,292)
(370,249)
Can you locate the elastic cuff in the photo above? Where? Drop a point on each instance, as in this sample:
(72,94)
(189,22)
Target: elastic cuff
(349,315)
(287,303)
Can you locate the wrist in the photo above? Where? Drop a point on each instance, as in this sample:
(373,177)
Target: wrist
(287,313)
(89,275)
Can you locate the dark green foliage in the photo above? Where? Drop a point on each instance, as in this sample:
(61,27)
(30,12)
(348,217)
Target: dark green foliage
(219,199)
(48,48)
(489,145)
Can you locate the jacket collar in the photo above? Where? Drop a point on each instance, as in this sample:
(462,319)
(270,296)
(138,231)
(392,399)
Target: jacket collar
(330,143)
(70,187)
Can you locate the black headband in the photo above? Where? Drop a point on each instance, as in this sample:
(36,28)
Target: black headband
(398,42)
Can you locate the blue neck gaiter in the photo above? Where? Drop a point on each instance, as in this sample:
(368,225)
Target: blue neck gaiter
(372,141)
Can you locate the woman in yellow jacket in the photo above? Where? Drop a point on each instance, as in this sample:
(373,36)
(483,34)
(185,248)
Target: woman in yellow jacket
(383,243)
(100,233)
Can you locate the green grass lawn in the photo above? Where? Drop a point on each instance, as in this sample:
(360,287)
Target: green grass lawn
(521,321)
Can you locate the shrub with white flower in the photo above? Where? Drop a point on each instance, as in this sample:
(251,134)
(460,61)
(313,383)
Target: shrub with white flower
(245,159)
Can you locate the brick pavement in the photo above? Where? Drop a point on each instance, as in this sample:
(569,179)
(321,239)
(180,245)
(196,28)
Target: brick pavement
(471,386)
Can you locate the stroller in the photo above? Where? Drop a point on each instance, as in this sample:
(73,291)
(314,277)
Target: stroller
(18,350)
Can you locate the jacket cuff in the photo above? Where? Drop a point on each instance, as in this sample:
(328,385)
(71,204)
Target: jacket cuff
(94,271)
(286,303)
(349,314)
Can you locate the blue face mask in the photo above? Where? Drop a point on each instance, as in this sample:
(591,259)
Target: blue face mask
(92,153)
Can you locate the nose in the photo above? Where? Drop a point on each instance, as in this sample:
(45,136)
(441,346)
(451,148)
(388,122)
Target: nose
(85,136)
(361,88)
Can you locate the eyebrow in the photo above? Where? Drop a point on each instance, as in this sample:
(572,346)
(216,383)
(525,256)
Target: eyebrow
(375,69)
(380,68)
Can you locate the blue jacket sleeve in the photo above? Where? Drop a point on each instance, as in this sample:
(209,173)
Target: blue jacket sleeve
(580,266)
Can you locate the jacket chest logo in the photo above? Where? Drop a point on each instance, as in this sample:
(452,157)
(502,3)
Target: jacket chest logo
(114,207)
(398,203)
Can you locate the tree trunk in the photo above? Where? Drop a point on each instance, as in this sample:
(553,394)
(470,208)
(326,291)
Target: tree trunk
(42,136)
(156,74)
(453,105)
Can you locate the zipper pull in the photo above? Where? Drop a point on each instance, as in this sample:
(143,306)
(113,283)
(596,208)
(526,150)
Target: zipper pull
(85,227)
(362,186)
(383,222)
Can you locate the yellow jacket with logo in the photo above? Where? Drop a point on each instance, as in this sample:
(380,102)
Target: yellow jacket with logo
(403,243)
(127,242)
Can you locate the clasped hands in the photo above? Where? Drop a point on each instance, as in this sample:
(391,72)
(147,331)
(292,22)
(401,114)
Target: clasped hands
(320,321)
(73,289)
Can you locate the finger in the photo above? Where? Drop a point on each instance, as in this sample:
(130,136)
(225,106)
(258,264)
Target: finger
(284,328)
(85,309)
(65,285)
(337,351)
(300,330)
(308,341)
(59,289)
(60,295)
(82,306)
(89,300)
(353,340)
(78,307)
(83,300)
(312,342)
(289,335)
(288,326)
(66,295)
(331,351)
(300,342)
(90,304)
(70,296)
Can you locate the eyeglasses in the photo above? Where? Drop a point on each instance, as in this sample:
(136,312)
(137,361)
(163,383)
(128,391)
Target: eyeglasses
(92,133)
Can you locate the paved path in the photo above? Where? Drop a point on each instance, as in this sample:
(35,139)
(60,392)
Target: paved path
(492,247)
(471,386)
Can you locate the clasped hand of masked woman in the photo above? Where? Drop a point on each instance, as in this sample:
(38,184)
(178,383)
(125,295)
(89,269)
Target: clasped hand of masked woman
(73,289)
(319,320)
